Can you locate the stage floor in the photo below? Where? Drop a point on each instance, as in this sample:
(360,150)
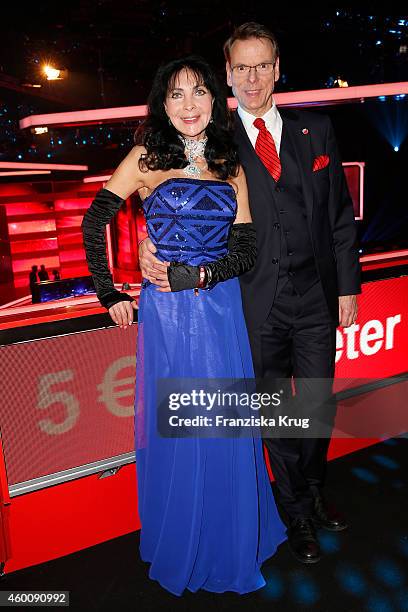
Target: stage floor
(364,568)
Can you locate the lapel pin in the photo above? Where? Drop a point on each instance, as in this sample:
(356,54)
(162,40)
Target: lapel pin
(305,131)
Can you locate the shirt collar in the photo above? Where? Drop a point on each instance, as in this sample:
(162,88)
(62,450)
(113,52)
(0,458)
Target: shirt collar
(271,117)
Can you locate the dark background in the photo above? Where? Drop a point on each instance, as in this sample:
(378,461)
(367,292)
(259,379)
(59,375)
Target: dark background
(112,49)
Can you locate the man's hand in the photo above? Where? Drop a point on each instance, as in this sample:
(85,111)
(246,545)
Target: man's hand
(347,310)
(152,268)
(122,313)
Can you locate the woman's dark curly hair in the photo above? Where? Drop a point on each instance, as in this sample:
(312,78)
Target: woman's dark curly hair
(165,149)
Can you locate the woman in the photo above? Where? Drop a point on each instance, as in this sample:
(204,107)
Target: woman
(207,512)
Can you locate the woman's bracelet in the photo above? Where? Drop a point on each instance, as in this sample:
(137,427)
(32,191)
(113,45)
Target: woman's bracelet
(202,279)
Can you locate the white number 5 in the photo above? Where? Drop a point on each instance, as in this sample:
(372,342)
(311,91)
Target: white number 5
(47,397)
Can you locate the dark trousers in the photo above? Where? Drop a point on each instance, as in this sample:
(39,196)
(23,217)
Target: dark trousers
(298,339)
(35,294)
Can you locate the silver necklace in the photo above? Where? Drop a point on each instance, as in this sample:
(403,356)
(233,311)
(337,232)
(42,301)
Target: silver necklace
(193,149)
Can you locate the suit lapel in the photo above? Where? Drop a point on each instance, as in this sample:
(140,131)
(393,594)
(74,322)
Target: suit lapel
(303,150)
(242,139)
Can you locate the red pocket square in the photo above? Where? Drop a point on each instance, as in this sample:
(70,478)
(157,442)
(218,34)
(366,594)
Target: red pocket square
(320,162)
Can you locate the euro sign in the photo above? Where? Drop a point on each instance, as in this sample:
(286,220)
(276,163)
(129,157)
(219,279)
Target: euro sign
(112,389)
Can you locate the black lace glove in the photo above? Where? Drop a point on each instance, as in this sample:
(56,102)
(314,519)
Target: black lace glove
(101,211)
(239,259)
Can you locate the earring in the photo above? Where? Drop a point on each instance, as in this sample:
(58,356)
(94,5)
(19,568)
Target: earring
(168,119)
(211,120)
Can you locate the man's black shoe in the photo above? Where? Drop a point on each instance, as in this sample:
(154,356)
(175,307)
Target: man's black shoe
(326,516)
(303,541)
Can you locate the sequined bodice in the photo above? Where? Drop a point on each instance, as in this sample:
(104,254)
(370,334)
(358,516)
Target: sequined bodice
(189,219)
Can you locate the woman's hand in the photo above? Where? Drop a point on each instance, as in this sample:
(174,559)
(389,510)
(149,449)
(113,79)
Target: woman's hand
(122,313)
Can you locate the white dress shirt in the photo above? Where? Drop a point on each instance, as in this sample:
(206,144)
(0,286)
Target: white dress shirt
(273,123)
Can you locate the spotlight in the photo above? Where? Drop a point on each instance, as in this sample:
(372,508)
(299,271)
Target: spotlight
(51,73)
(396,149)
(40,130)
(54,74)
(340,83)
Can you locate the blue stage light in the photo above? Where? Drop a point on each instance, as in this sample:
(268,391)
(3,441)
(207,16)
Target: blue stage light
(329,542)
(304,590)
(386,462)
(275,586)
(391,119)
(364,474)
(351,579)
(377,602)
(389,573)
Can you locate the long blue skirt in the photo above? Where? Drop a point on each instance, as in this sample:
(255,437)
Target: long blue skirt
(207,511)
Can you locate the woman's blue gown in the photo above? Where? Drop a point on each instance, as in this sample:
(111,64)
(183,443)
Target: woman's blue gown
(207,511)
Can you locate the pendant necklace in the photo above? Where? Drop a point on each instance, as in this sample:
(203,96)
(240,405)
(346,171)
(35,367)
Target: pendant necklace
(193,149)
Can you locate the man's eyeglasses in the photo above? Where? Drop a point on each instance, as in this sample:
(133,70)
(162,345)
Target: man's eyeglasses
(263,68)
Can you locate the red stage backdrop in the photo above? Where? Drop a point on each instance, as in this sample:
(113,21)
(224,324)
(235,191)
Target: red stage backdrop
(376,346)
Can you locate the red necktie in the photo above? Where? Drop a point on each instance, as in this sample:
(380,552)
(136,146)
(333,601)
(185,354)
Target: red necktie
(266,150)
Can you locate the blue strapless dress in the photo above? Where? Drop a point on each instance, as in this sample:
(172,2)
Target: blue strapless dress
(208,515)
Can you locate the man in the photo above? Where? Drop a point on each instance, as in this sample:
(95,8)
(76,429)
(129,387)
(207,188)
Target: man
(33,280)
(306,277)
(43,274)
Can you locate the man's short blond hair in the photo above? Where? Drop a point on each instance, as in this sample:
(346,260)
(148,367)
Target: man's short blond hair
(248,30)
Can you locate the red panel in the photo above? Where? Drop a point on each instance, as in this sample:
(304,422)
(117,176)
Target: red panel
(25,264)
(16,189)
(26,208)
(32,246)
(72,255)
(354,172)
(77,387)
(124,255)
(59,520)
(71,271)
(74,204)
(69,221)
(24,227)
(376,345)
(39,166)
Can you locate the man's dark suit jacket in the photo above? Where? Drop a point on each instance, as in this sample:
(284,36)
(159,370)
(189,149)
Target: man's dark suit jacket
(330,217)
